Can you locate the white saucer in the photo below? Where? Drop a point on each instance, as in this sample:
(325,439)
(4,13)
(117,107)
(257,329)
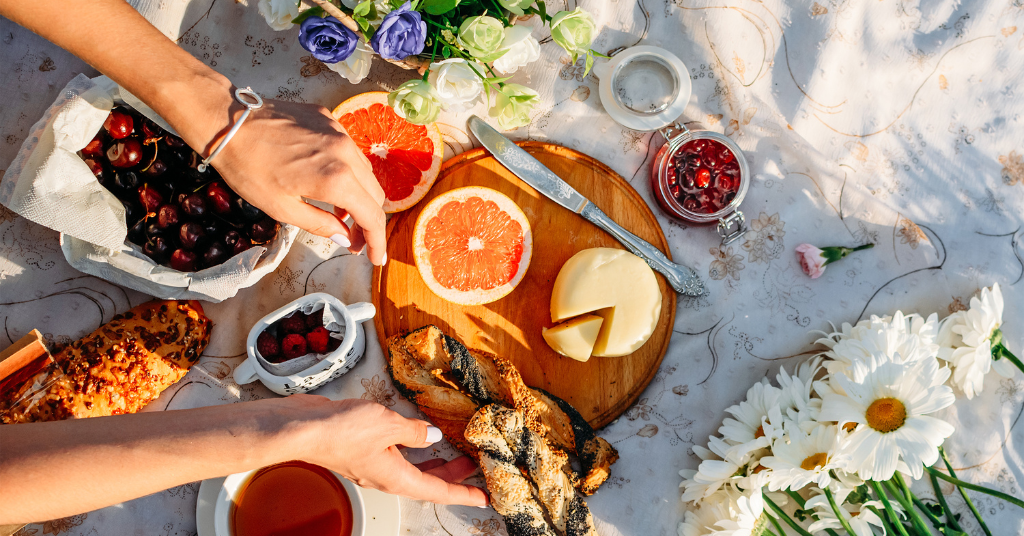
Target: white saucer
(383,511)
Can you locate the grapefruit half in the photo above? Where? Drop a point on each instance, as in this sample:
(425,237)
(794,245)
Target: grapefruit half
(405,157)
(472,245)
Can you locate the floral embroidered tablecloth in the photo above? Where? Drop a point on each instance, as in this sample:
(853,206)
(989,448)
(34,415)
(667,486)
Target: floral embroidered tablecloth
(895,122)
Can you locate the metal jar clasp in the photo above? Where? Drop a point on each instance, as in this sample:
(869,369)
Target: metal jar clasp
(731,227)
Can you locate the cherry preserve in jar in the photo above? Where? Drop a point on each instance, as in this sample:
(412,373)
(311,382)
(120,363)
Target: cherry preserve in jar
(700,176)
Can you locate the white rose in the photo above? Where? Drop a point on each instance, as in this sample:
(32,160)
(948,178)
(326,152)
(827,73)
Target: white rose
(456,83)
(279,13)
(520,48)
(355,68)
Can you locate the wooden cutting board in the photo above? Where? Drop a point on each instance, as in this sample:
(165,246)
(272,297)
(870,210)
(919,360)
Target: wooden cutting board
(600,389)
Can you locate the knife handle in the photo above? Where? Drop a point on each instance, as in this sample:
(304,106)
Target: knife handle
(682,278)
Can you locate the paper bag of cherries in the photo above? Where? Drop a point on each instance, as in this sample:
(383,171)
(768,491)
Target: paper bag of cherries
(181,217)
(130,203)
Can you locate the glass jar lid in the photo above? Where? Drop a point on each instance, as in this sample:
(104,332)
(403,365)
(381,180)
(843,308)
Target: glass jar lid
(644,88)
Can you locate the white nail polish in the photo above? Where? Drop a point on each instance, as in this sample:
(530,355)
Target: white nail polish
(341,240)
(484,507)
(433,435)
(384,260)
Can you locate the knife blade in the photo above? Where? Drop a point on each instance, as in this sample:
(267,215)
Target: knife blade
(521,163)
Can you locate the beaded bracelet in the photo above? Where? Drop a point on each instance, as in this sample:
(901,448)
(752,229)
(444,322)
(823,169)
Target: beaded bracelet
(255,104)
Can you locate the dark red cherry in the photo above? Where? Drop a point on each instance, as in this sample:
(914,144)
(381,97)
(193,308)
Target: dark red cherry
(157,168)
(247,211)
(151,130)
(194,205)
(190,234)
(212,227)
(168,216)
(231,238)
(126,181)
(183,260)
(215,254)
(702,178)
(709,158)
(240,246)
(689,178)
(97,169)
(157,249)
(125,153)
(725,182)
(219,198)
(137,231)
(674,190)
(94,149)
(264,230)
(150,198)
(119,124)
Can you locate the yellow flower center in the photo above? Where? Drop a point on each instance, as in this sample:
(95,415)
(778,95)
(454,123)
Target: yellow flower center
(886,415)
(814,461)
(850,426)
(759,433)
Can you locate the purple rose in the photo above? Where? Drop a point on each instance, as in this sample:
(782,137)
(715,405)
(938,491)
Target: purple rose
(401,34)
(327,39)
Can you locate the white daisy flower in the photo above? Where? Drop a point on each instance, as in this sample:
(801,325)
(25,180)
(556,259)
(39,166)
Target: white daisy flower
(889,405)
(966,339)
(758,420)
(720,467)
(800,459)
(701,520)
(746,512)
(797,402)
(859,516)
(880,339)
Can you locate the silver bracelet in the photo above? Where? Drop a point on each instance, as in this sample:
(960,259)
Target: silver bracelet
(255,104)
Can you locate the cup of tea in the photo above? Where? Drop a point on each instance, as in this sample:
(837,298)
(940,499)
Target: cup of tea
(290,498)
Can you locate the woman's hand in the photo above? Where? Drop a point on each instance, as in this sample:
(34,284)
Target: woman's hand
(360,440)
(285,152)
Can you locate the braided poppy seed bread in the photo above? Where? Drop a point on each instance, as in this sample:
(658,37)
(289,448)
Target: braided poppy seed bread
(122,366)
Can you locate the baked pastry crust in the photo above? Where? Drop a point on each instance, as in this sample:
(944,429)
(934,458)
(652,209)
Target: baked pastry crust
(120,367)
(454,386)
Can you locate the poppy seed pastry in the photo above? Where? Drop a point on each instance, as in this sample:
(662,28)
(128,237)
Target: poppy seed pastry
(120,367)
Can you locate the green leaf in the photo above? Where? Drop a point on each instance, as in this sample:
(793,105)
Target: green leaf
(363,9)
(596,53)
(542,10)
(859,495)
(497,80)
(438,7)
(589,64)
(446,52)
(311,12)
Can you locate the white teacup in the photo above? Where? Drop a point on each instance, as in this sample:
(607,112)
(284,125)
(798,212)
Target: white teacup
(233,484)
(338,362)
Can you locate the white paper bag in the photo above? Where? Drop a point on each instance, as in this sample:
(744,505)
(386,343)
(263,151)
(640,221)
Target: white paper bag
(48,183)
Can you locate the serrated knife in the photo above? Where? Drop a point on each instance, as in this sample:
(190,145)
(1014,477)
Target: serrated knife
(682,278)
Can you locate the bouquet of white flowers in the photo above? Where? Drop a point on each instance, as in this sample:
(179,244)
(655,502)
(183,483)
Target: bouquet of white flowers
(838,436)
(459,47)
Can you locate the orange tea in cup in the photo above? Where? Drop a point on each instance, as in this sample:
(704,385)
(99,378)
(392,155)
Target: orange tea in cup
(292,498)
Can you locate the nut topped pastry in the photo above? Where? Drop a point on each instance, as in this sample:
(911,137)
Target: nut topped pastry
(120,367)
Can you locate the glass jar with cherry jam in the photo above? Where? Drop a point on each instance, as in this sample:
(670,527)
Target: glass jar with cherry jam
(701,177)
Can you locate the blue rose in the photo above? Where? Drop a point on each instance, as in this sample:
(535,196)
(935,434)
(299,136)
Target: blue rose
(327,39)
(401,34)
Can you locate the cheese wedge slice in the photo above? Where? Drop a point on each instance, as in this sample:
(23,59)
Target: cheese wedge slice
(616,285)
(574,338)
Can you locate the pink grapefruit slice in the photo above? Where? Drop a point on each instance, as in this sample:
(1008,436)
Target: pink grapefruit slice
(405,157)
(472,245)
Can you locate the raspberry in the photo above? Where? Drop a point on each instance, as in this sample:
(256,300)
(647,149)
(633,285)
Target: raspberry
(294,345)
(268,346)
(294,324)
(318,339)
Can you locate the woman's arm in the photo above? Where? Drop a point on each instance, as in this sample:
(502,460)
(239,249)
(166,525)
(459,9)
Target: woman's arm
(56,469)
(284,151)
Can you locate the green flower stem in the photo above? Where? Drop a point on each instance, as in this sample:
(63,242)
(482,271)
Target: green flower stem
(888,507)
(908,507)
(776,523)
(963,492)
(950,517)
(999,350)
(796,497)
(975,487)
(889,529)
(838,512)
(789,521)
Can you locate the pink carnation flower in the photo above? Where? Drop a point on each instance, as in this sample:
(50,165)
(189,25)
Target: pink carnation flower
(811,260)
